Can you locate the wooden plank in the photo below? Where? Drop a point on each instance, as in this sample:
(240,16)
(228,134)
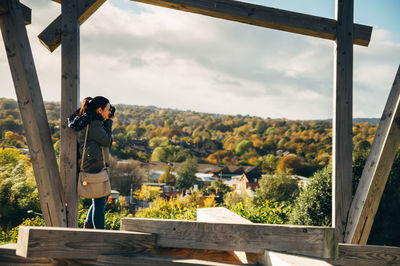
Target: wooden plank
(26,11)
(223,215)
(145,260)
(51,36)
(349,255)
(219,215)
(376,171)
(202,254)
(342,117)
(70,61)
(9,257)
(33,115)
(71,243)
(366,255)
(255,238)
(265,17)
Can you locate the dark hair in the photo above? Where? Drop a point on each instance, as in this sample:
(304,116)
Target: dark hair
(90,104)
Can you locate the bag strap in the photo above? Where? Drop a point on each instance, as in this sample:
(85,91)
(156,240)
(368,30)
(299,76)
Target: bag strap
(84,148)
(84,151)
(104,158)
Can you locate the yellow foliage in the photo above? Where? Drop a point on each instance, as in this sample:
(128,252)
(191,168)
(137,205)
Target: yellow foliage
(147,193)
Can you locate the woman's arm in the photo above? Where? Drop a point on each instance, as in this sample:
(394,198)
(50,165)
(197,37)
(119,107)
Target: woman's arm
(100,133)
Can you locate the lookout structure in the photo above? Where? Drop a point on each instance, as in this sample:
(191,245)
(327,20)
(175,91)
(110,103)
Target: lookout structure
(351,218)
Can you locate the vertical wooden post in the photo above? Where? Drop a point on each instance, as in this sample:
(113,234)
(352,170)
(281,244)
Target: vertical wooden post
(33,114)
(69,102)
(376,171)
(342,116)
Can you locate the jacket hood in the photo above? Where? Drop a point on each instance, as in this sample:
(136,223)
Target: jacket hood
(79,122)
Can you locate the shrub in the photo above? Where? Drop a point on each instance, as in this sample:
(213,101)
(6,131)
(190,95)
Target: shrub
(314,204)
(269,212)
(12,235)
(180,208)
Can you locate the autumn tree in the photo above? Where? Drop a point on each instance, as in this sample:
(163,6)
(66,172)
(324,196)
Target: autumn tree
(289,164)
(18,191)
(167,176)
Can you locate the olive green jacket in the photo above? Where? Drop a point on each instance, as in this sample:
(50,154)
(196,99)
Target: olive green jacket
(99,135)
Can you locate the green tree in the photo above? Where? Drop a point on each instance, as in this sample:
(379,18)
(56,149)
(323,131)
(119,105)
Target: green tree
(279,188)
(158,141)
(8,103)
(187,174)
(159,155)
(243,146)
(314,203)
(167,176)
(218,188)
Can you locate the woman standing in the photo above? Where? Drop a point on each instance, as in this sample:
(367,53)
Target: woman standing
(98,114)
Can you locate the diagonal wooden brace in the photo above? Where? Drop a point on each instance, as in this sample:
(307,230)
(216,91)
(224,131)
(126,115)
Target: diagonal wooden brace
(33,114)
(267,17)
(376,170)
(51,36)
(26,11)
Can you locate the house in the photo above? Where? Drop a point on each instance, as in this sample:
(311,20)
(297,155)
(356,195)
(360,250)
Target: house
(248,180)
(207,179)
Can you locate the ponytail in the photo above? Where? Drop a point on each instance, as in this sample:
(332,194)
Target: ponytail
(84,105)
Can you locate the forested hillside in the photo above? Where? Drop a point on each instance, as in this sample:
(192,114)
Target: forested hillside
(276,146)
(167,135)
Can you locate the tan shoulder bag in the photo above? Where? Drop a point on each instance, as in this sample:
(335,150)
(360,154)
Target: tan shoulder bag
(95,185)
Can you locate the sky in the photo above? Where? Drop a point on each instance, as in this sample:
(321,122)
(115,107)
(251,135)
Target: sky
(139,54)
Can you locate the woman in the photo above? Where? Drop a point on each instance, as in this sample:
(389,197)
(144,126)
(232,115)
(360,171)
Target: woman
(98,114)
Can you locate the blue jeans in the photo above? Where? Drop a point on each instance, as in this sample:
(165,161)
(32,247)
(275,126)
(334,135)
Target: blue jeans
(95,214)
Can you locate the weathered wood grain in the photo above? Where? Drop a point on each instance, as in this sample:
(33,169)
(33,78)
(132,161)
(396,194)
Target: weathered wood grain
(146,260)
(51,36)
(8,257)
(201,254)
(26,11)
(255,238)
(33,115)
(71,243)
(265,17)
(342,117)
(219,215)
(376,171)
(70,62)
(223,215)
(366,255)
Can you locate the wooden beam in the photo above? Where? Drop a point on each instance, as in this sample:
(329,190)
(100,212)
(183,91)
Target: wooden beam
(376,171)
(71,243)
(255,238)
(33,115)
(265,17)
(152,260)
(342,116)
(199,254)
(51,36)
(366,255)
(8,257)
(26,11)
(70,61)
(223,215)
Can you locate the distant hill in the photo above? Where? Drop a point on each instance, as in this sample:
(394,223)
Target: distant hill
(372,121)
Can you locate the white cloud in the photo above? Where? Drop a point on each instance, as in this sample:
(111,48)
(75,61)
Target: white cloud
(145,55)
